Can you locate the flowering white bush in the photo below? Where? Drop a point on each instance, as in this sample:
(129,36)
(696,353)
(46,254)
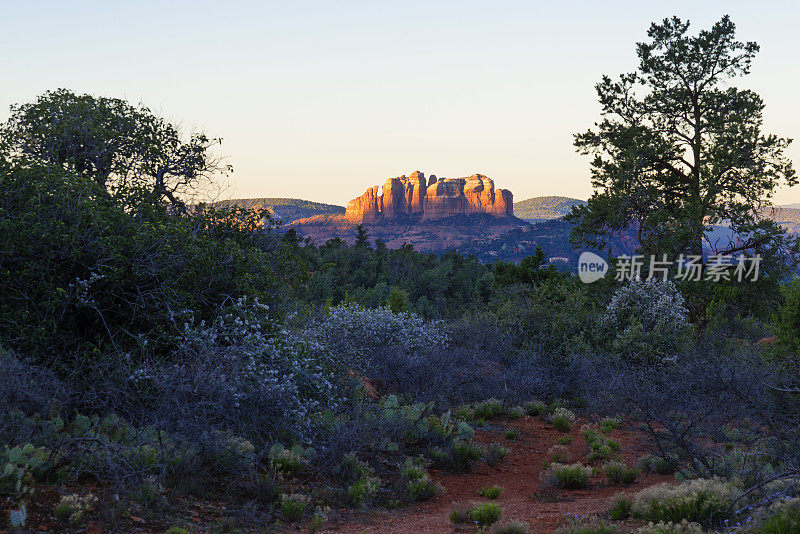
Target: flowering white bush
(352,331)
(646,320)
(246,370)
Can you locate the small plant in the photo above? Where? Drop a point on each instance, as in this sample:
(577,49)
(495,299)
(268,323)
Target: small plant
(417,484)
(486,514)
(464,454)
(620,507)
(488,409)
(512,527)
(293,506)
(288,461)
(18,518)
(656,464)
(148,491)
(564,440)
(609,424)
(684,527)
(492,492)
(511,435)
(176,530)
(534,408)
(562,419)
(516,412)
(319,519)
(574,476)
(460,516)
(700,500)
(73,508)
(619,473)
(494,453)
(465,431)
(363,490)
(558,454)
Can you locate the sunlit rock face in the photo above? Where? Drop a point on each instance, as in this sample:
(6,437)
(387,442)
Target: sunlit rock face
(434,198)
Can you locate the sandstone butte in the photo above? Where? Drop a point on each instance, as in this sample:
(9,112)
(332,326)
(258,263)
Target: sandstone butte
(429,199)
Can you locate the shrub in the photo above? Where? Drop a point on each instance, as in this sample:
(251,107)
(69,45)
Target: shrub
(460,516)
(511,435)
(72,509)
(512,527)
(574,476)
(558,454)
(684,527)
(564,440)
(464,454)
(293,506)
(486,514)
(417,484)
(287,460)
(562,419)
(646,321)
(488,409)
(592,526)
(700,500)
(782,517)
(490,492)
(363,490)
(176,530)
(656,464)
(516,412)
(494,453)
(618,473)
(609,424)
(534,408)
(620,507)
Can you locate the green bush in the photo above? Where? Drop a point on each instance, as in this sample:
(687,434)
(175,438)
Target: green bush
(488,409)
(293,506)
(512,527)
(564,440)
(511,435)
(609,424)
(490,492)
(363,490)
(593,526)
(534,408)
(618,473)
(700,501)
(574,476)
(460,516)
(562,419)
(486,514)
(494,453)
(417,485)
(620,507)
(656,464)
(684,527)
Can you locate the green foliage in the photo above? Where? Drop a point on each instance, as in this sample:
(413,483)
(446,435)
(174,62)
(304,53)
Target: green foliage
(684,527)
(609,424)
(701,501)
(397,300)
(293,506)
(512,435)
(488,409)
(512,527)
(291,462)
(176,530)
(72,509)
(592,526)
(620,507)
(788,327)
(486,514)
(494,453)
(618,473)
(460,516)
(562,419)
(363,490)
(656,464)
(670,135)
(22,466)
(574,476)
(534,408)
(490,492)
(564,440)
(418,486)
(785,522)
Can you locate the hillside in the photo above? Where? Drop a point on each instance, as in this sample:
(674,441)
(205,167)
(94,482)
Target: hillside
(538,209)
(286,209)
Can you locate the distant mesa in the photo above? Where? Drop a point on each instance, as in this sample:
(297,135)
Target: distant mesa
(416,197)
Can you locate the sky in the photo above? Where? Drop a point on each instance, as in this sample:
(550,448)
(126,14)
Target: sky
(320,100)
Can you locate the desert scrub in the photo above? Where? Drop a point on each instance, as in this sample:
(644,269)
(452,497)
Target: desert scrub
(361,492)
(575,476)
(684,527)
(486,514)
(512,527)
(289,461)
(701,500)
(417,484)
(564,440)
(590,526)
(558,454)
(73,508)
(494,453)
(656,464)
(620,507)
(608,424)
(534,408)
(562,419)
(782,517)
(488,409)
(460,516)
(490,492)
(511,435)
(516,412)
(463,455)
(619,473)
(293,506)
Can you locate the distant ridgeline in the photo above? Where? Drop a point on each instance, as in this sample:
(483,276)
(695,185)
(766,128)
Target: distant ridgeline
(538,209)
(286,209)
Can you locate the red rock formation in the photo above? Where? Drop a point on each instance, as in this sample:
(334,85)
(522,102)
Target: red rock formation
(436,199)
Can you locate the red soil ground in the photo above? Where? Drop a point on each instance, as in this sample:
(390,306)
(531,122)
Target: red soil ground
(518,474)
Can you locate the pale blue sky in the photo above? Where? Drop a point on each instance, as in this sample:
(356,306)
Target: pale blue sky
(320,100)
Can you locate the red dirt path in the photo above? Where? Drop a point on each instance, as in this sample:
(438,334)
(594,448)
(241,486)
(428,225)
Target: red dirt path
(518,474)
